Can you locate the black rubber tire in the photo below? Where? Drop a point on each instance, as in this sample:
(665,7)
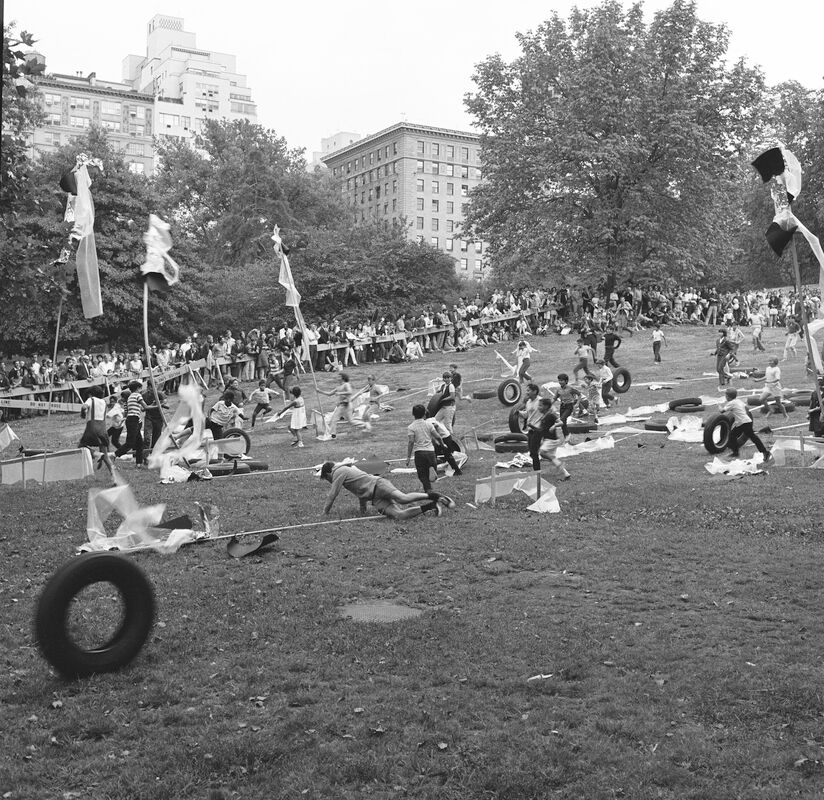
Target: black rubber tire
(660,427)
(222,468)
(255,466)
(685,401)
(53,606)
(483,394)
(621,380)
(717,433)
(509,392)
(687,409)
(516,421)
(512,447)
(510,437)
(235,433)
(581,427)
(485,436)
(434,404)
(754,402)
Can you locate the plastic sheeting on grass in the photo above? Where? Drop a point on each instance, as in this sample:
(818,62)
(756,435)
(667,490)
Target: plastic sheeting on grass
(521,482)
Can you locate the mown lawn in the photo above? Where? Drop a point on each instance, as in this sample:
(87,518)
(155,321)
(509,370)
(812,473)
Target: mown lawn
(673,620)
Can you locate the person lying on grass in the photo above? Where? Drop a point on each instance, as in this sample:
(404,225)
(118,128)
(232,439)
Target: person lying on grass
(386,498)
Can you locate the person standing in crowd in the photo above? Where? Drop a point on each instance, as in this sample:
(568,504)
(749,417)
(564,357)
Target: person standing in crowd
(135,409)
(757,324)
(657,338)
(723,353)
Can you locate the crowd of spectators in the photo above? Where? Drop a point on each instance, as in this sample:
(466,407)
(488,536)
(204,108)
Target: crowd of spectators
(277,351)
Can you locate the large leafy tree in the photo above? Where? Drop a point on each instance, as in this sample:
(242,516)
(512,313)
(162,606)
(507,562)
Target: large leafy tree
(613,148)
(36,233)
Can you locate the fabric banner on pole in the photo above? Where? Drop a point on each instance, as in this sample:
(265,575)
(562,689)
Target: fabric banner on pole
(88,274)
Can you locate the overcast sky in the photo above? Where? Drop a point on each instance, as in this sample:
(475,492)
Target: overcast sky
(316,68)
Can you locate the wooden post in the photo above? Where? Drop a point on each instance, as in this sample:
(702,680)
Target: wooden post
(492,488)
(538,484)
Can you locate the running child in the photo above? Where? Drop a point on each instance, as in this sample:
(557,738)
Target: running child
(523,352)
(298,420)
(772,388)
(343,409)
(547,425)
(584,353)
(95,435)
(742,426)
(567,397)
(262,398)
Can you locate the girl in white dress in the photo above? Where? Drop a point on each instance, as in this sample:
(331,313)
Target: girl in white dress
(298,421)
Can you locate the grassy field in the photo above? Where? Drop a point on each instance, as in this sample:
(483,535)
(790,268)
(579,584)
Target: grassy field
(673,618)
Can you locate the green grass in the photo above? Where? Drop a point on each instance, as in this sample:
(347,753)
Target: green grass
(676,614)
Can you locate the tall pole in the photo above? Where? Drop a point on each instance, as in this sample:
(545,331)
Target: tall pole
(808,339)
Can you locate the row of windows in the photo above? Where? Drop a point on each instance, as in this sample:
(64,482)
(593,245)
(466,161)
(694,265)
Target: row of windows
(175,121)
(448,169)
(435,206)
(464,245)
(373,174)
(436,187)
(108,107)
(437,149)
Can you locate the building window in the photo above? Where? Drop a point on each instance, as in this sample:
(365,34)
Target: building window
(363,197)
(464,154)
(394,205)
(394,167)
(348,183)
(420,166)
(137,112)
(436,187)
(348,167)
(137,167)
(81,102)
(464,208)
(111,108)
(449,170)
(362,162)
(419,185)
(370,195)
(450,225)
(464,190)
(170,120)
(463,246)
(464,172)
(419,223)
(53,119)
(419,204)
(386,151)
(450,207)
(137,130)
(385,189)
(54,141)
(385,209)
(371,159)
(394,187)
(479,247)
(52,99)
(111,125)
(464,263)
(420,148)
(377,193)
(434,223)
(450,188)
(450,151)
(386,171)
(434,241)
(379,154)
(394,148)
(436,149)
(449,244)
(80,122)
(435,168)
(134,149)
(478,173)
(436,206)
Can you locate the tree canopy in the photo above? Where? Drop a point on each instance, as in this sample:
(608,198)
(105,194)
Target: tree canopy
(614,149)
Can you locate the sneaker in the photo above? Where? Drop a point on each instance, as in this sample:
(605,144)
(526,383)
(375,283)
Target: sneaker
(438,509)
(458,471)
(567,477)
(447,501)
(294,444)
(301,444)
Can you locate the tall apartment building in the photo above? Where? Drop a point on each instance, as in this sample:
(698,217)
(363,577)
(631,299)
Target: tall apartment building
(329,144)
(418,176)
(73,103)
(190,84)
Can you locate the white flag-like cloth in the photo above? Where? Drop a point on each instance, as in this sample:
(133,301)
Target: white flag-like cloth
(158,242)
(7,436)
(88,273)
(286,280)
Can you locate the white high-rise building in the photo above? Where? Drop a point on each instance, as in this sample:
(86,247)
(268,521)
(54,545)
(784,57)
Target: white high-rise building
(190,84)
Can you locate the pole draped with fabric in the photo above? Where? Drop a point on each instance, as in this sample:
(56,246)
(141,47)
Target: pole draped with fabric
(286,280)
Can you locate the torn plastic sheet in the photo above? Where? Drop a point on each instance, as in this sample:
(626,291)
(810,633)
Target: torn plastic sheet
(522,482)
(735,468)
(685,429)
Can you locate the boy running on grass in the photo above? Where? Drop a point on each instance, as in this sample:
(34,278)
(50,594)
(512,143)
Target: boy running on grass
(742,426)
(385,498)
(772,389)
(567,396)
(262,397)
(547,425)
(584,353)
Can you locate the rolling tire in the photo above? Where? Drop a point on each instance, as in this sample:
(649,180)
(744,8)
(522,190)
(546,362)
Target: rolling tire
(434,404)
(688,409)
(581,427)
(239,433)
(660,427)
(222,468)
(506,438)
(515,421)
(483,394)
(717,433)
(509,392)
(52,612)
(512,447)
(621,380)
(686,401)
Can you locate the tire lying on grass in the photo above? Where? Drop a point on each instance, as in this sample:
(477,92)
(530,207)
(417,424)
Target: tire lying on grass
(239,433)
(688,409)
(582,427)
(515,421)
(512,447)
(509,392)
(505,438)
(717,433)
(222,468)
(685,401)
(51,616)
(483,394)
(621,380)
(659,426)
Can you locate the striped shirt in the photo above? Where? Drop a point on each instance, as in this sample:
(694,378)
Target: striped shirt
(135,405)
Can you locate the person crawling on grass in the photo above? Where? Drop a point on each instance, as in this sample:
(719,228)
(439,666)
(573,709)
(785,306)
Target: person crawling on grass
(385,497)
